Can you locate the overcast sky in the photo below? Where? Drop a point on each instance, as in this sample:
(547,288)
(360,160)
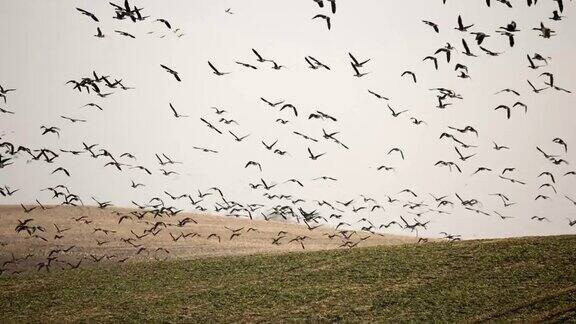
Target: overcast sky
(47,43)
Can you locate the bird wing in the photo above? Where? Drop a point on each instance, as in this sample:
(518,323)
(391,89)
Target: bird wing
(213,68)
(173,110)
(311,65)
(355,69)
(466,48)
(353,58)
(258,55)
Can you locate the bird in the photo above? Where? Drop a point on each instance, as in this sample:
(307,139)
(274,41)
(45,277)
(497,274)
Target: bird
(547,174)
(500,147)
(324,115)
(410,73)
(394,113)
(259,57)
(467,51)
(5,111)
(227,121)
(315,64)
(93,105)
(165,22)
(326,18)
(272,104)
(356,72)
(545,32)
(550,78)
(532,65)
(295,181)
(210,125)
(505,108)
(252,163)
(357,63)
(441,104)
(449,165)
(377,95)
(53,130)
(275,65)
(395,149)
(290,106)
(61,169)
(89,14)
(99,33)
(174,73)
(433,59)
(522,105)
(463,158)
(508,170)
(236,138)
(536,90)
(461,27)
(218,111)
(465,129)
(556,16)
(332,6)
(215,71)
(385,168)
(305,136)
(313,156)
(489,52)
(124,34)
(269,146)
(136,185)
(479,37)
(416,121)
(247,65)
(560,141)
(433,25)
(447,51)
(175,112)
(548,156)
(27,210)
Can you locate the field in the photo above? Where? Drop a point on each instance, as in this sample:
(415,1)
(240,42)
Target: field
(527,279)
(95,236)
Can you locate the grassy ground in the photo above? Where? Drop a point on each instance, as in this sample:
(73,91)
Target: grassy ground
(521,279)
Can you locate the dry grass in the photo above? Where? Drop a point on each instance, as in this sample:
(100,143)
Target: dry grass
(84,238)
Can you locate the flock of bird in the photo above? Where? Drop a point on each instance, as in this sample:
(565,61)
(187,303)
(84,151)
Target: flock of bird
(160,213)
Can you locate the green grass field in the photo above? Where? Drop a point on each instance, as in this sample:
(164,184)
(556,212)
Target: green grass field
(514,279)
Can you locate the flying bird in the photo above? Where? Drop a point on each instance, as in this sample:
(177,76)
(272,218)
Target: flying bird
(357,63)
(356,72)
(174,73)
(165,22)
(326,18)
(175,112)
(433,25)
(89,14)
(461,27)
(410,73)
(215,71)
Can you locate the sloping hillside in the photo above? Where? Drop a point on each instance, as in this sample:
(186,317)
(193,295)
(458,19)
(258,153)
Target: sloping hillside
(529,279)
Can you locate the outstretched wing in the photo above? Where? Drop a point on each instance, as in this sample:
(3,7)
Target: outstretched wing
(212,67)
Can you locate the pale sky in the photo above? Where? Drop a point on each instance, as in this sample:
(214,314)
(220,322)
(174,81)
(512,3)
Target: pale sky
(46,43)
